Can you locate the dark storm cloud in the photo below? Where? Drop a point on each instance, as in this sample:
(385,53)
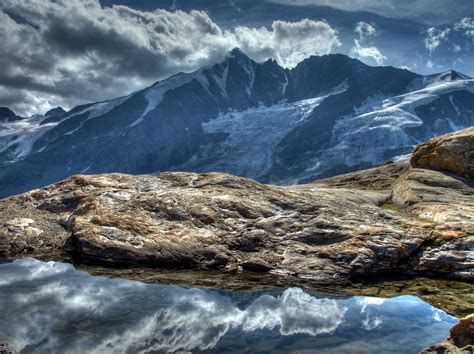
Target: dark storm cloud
(428,11)
(70,52)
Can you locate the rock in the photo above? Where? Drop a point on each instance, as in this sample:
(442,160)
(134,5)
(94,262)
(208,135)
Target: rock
(335,230)
(441,202)
(256,266)
(461,339)
(462,334)
(213,220)
(186,220)
(447,201)
(378,178)
(452,153)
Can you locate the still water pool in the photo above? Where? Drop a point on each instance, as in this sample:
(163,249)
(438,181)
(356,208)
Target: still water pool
(50,307)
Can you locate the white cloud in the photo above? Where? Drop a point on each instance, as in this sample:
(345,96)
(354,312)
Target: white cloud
(365,30)
(434,38)
(429,64)
(288,42)
(293,312)
(466,25)
(365,302)
(157,318)
(370,323)
(77,51)
(364,48)
(368,52)
(172,318)
(199,322)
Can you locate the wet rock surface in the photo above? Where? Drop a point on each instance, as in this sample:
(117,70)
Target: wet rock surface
(452,296)
(387,220)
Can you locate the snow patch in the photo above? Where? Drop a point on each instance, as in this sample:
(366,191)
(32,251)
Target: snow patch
(154,95)
(456,108)
(20,136)
(378,128)
(284,85)
(453,126)
(250,70)
(97,110)
(246,151)
(221,80)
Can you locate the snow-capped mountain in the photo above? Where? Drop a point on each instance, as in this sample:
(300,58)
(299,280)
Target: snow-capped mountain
(328,115)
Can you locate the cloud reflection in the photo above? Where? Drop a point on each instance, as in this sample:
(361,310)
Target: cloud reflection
(51,307)
(161,318)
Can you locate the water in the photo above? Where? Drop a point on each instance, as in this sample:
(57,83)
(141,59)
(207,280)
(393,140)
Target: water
(51,307)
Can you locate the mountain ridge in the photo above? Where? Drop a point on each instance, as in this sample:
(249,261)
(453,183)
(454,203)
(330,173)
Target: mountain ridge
(193,122)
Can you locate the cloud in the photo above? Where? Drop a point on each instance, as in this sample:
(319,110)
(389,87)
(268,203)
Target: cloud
(419,10)
(456,48)
(367,305)
(167,319)
(365,30)
(288,42)
(368,52)
(363,48)
(197,321)
(46,307)
(370,323)
(77,51)
(466,25)
(435,37)
(365,302)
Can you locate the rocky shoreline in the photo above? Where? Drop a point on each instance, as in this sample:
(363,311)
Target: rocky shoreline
(397,218)
(460,340)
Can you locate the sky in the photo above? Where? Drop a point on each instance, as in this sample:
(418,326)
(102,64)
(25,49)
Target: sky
(70,52)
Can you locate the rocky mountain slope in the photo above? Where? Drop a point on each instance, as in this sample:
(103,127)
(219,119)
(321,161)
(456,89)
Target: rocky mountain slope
(328,115)
(7,115)
(394,218)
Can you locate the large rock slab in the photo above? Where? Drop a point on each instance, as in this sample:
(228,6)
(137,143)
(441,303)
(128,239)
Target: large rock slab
(452,153)
(390,219)
(447,200)
(215,221)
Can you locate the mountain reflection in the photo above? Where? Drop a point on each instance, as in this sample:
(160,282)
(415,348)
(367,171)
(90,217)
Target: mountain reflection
(51,307)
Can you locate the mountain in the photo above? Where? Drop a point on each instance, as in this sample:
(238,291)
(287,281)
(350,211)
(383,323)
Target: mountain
(7,115)
(328,115)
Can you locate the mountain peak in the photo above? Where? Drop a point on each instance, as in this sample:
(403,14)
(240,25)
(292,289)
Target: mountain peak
(236,52)
(55,112)
(450,75)
(7,114)
(238,55)
(455,75)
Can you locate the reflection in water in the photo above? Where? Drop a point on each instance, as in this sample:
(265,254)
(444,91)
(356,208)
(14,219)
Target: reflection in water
(51,307)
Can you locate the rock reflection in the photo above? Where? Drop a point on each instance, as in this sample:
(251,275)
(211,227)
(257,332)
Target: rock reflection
(51,307)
